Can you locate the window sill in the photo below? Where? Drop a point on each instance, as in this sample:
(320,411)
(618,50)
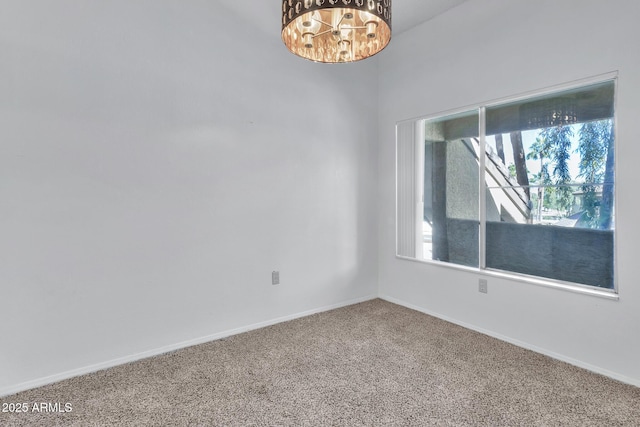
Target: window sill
(609,294)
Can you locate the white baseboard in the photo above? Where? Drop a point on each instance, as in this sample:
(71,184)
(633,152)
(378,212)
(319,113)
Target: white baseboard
(39,382)
(553,355)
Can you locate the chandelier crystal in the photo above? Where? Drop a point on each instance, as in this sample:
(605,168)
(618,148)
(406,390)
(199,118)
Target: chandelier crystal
(336,30)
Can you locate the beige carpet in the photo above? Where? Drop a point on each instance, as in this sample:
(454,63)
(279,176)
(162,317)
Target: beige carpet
(369,364)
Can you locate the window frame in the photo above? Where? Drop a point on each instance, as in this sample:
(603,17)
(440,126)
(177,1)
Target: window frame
(481,108)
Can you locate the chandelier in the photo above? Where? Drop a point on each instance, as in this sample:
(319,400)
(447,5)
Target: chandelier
(336,30)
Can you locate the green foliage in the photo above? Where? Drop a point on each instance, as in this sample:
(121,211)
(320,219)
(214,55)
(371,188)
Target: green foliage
(594,141)
(592,147)
(541,150)
(556,143)
(553,148)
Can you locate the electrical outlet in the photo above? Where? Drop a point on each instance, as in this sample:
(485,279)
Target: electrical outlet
(275,277)
(482,285)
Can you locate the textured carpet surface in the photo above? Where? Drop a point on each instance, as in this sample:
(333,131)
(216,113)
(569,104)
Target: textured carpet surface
(369,364)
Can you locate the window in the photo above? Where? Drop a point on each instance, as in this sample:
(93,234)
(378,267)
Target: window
(524,187)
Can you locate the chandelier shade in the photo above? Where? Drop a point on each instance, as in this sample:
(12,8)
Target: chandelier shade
(336,31)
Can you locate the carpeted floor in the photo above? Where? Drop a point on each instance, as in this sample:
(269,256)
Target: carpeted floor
(369,364)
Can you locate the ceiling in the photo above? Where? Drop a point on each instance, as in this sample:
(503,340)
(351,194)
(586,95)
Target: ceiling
(266,15)
(409,13)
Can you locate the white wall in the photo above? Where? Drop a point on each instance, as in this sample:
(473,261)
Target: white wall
(490,49)
(158,159)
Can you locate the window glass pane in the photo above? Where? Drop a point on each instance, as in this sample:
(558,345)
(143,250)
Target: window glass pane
(549,174)
(581,105)
(451,189)
(550,186)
